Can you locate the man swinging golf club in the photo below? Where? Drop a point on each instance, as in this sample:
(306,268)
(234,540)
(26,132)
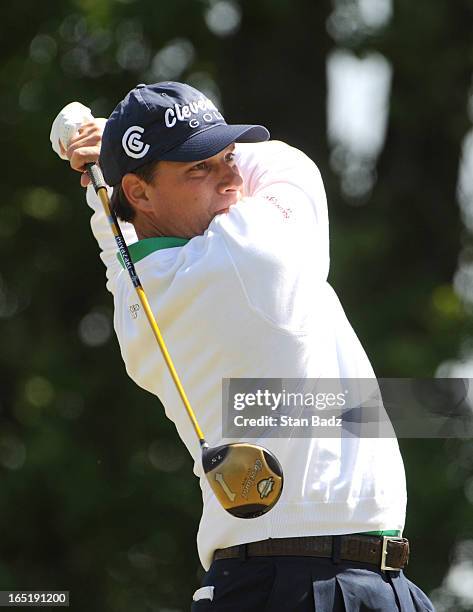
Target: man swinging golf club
(232,251)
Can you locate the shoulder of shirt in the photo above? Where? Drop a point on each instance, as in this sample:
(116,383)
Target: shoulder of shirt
(263,163)
(274,150)
(268,147)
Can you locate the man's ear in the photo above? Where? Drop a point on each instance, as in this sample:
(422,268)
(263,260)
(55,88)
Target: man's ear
(134,189)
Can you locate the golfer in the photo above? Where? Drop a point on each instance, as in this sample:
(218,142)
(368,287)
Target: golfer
(229,234)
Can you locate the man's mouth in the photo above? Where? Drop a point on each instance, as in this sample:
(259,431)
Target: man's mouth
(231,201)
(226,208)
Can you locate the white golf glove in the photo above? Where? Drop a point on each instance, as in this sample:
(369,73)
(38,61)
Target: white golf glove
(66,124)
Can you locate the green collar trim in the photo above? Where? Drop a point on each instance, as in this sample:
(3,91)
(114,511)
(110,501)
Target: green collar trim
(393,533)
(141,249)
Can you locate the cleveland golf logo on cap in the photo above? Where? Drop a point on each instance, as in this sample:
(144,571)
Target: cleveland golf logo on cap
(166,121)
(184,112)
(132,143)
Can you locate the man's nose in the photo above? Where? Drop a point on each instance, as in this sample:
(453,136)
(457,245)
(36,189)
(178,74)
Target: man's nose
(230,180)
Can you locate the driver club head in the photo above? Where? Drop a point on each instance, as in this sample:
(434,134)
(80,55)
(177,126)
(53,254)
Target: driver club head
(247,479)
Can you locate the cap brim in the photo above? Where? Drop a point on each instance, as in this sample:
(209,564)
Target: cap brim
(214,139)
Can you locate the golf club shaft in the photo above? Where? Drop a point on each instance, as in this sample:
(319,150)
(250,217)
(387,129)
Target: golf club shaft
(100,187)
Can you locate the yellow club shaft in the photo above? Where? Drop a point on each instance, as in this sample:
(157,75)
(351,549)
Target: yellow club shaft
(103,195)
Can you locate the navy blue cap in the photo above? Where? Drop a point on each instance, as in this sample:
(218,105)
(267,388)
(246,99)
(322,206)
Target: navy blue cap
(166,121)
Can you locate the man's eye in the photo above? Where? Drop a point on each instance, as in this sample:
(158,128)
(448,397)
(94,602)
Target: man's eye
(201,166)
(230,156)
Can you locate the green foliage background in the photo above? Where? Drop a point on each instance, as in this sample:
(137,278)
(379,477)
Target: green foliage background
(97,494)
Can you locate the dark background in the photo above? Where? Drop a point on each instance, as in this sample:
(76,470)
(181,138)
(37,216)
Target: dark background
(97,494)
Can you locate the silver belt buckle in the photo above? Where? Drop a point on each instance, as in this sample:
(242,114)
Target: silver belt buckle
(384,553)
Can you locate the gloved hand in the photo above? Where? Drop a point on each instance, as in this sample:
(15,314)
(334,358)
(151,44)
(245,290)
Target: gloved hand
(76,135)
(66,124)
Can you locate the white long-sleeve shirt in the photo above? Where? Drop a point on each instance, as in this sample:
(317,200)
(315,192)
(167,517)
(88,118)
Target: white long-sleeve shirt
(250,299)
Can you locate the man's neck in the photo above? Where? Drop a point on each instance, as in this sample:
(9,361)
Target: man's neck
(145,227)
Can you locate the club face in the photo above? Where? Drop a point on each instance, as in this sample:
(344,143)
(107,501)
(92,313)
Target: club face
(247,479)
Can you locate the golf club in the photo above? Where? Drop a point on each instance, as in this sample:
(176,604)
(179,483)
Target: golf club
(247,479)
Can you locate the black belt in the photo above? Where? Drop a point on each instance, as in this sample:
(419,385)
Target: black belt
(385,552)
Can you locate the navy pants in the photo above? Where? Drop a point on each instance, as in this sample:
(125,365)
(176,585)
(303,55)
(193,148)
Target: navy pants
(304,584)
